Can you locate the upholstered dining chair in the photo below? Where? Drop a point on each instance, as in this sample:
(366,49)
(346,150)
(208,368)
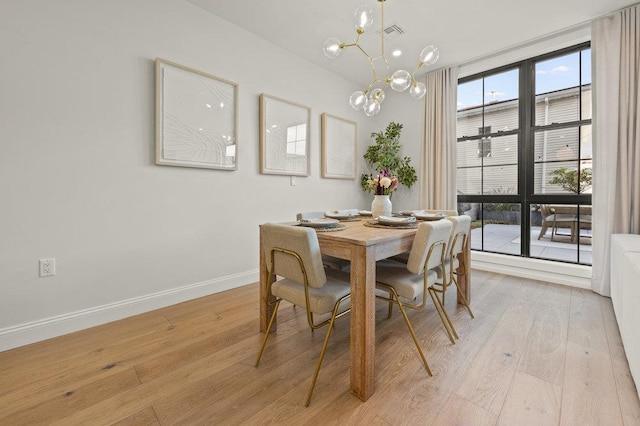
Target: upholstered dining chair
(293,253)
(407,284)
(404,257)
(449,274)
(328,261)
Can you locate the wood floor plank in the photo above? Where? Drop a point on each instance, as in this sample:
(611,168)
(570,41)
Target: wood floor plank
(193,363)
(459,411)
(589,393)
(545,350)
(85,366)
(539,399)
(72,400)
(586,326)
(27,359)
(490,375)
(146,417)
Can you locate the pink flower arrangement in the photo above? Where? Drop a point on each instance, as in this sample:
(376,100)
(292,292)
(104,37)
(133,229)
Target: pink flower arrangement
(383,183)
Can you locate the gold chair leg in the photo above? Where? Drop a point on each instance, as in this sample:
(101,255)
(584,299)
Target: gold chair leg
(444,317)
(268,332)
(322,352)
(413,333)
(390,309)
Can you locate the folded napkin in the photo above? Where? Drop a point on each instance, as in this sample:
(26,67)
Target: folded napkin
(341,213)
(408,219)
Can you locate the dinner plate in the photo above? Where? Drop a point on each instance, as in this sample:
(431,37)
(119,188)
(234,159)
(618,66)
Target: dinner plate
(411,212)
(319,223)
(429,216)
(341,214)
(364,212)
(396,221)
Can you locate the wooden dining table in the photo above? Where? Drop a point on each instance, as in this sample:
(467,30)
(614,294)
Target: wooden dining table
(362,245)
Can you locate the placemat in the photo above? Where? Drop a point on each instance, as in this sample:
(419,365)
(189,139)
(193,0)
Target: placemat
(375,224)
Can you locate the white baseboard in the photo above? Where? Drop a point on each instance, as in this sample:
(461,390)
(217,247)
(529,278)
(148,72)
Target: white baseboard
(537,269)
(24,334)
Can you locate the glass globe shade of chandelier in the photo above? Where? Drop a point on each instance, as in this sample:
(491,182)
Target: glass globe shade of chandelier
(370,98)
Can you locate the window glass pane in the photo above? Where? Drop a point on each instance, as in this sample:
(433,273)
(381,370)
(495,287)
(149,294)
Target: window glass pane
(558,89)
(558,73)
(554,232)
(501,228)
(469,108)
(585,143)
(563,178)
(501,101)
(557,107)
(501,165)
(556,145)
(502,179)
(585,57)
(585,106)
(468,154)
(469,180)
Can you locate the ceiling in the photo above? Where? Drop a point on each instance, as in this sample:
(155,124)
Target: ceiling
(462,30)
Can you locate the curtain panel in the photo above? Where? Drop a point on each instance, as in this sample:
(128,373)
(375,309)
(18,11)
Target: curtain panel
(439,148)
(615,50)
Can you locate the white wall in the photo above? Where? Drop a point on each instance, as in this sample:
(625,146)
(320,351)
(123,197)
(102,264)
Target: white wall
(402,108)
(77,175)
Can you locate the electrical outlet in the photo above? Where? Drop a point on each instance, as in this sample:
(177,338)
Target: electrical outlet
(47,267)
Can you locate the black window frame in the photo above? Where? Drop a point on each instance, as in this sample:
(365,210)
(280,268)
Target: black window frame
(526,131)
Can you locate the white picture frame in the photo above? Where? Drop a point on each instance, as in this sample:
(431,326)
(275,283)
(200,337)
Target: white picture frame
(284,137)
(196,118)
(339,147)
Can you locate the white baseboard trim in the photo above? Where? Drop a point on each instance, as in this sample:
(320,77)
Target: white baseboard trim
(24,334)
(537,269)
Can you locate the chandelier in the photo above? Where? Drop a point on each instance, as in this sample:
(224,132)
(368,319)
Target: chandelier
(370,98)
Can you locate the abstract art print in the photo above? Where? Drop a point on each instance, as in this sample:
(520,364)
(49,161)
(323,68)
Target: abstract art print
(196,118)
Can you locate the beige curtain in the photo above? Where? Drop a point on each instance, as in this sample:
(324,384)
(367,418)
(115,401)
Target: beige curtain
(439,153)
(616,135)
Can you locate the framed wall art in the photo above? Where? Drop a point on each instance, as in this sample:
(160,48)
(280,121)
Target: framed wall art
(284,137)
(196,118)
(339,139)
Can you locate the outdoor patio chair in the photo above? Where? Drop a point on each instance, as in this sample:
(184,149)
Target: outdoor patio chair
(552,219)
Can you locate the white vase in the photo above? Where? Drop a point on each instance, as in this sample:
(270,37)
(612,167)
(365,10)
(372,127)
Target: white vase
(381,206)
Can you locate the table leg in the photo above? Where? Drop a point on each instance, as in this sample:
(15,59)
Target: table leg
(266,309)
(464,271)
(363,333)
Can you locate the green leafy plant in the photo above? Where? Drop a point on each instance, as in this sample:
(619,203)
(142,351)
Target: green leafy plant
(571,180)
(384,156)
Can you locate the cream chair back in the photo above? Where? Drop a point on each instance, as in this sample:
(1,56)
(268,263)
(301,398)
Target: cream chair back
(297,239)
(461,229)
(428,234)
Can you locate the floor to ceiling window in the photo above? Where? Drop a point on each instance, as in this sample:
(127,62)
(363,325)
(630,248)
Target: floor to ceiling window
(524,157)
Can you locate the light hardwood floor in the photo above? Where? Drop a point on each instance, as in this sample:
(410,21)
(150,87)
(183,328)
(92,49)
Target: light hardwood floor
(536,354)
